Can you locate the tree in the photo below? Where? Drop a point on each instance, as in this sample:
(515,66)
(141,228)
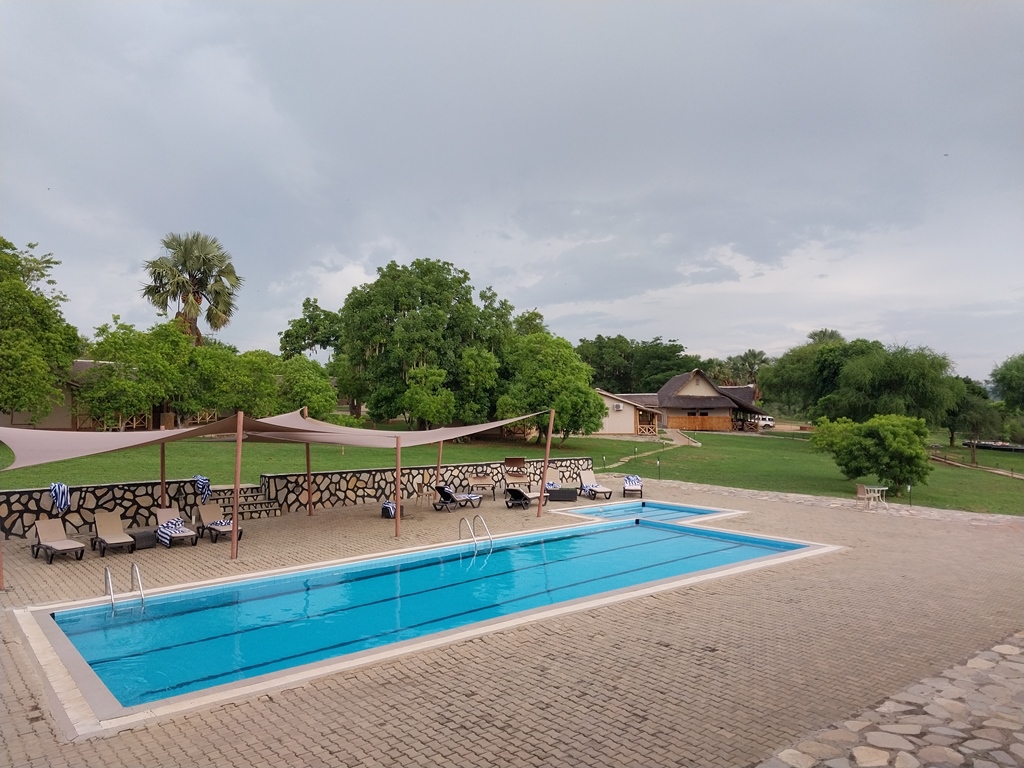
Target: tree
(825,336)
(612,358)
(37,346)
(420,315)
(892,448)
(477,383)
(895,380)
(135,372)
(318,328)
(427,402)
(250,384)
(973,414)
(195,270)
(1008,381)
(549,374)
(304,384)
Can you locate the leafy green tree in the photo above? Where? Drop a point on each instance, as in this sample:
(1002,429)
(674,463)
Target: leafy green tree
(304,384)
(1008,381)
(250,385)
(549,374)
(623,365)
(195,270)
(477,380)
(134,373)
(899,380)
(318,328)
(789,382)
(825,336)
(974,415)
(420,315)
(892,448)
(427,401)
(657,361)
(37,346)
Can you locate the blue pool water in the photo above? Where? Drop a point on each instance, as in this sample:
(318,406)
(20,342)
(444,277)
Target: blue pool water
(194,639)
(645,510)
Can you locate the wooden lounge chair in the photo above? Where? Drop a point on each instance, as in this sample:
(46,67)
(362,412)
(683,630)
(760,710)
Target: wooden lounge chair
(632,484)
(52,539)
(207,518)
(448,500)
(590,487)
(517,497)
(483,482)
(515,474)
(171,528)
(109,533)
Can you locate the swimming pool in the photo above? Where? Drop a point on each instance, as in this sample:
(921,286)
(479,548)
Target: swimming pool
(193,640)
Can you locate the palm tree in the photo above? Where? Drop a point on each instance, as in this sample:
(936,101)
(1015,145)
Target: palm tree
(196,269)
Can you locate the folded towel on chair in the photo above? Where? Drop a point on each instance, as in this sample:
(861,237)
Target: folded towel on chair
(225,523)
(632,480)
(387,509)
(552,486)
(165,532)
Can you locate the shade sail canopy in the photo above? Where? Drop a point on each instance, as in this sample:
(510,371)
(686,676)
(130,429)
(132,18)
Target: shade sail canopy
(42,446)
(300,430)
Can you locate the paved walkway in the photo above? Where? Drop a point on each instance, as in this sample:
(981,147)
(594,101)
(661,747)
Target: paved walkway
(732,672)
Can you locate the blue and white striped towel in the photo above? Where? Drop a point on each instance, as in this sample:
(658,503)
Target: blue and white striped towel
(632,480)
(61,497)
(387,509)
(225,523)
(587,488)
(165,532)
(202,488)
(550,485)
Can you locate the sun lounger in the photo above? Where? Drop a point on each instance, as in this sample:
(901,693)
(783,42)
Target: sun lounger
(517,497)
(590,487)
(109,533)
(450,501)
(210,517)
(171,528)
(632,484)
(52,539)
(515,474)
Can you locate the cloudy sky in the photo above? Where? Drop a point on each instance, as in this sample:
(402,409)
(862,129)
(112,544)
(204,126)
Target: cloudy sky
(732,175)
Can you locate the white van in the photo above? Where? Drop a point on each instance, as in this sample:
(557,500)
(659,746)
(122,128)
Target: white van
(765,422)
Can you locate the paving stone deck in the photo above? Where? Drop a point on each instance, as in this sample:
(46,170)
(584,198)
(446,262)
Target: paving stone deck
(805,663)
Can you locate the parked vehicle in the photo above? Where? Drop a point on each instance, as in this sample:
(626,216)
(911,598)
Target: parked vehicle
(765,422)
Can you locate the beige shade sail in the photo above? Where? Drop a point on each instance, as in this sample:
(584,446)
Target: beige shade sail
(42,446)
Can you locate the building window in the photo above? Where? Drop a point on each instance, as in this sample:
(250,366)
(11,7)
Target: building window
(703,413)
(691,413)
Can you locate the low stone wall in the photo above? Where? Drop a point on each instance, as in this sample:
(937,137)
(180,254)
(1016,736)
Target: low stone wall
(334,489)
(135,502)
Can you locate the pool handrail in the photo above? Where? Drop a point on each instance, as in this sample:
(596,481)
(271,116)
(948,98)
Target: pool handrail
(469,526)
(484,523)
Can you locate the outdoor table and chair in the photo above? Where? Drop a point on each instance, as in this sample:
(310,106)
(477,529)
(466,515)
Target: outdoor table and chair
(876,495)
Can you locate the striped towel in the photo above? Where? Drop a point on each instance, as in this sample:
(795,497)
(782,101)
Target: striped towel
(387,509)
(225,523)
(587,488)
(552,486)
(61,497)
(202,488)
(632,480)
(165,532)
(447,489)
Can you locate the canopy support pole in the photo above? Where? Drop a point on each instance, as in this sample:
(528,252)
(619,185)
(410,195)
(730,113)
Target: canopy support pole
(437,472)
(238,483)
(163,475)
(544,467)
(309,485)
(398,486)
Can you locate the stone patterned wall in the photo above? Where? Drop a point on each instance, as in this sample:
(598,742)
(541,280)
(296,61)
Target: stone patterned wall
(332,489)
(135,502)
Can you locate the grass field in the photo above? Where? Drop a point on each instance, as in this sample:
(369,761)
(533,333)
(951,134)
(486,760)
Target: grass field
(779,462)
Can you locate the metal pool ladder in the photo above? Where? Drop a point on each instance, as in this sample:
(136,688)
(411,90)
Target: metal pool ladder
(471,526)
(136,578)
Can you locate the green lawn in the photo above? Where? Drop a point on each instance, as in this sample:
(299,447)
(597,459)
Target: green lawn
(778,462)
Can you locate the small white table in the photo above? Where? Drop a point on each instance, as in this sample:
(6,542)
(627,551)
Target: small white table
(876,494)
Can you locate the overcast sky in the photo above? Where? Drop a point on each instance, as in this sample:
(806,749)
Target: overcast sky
(732,175)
